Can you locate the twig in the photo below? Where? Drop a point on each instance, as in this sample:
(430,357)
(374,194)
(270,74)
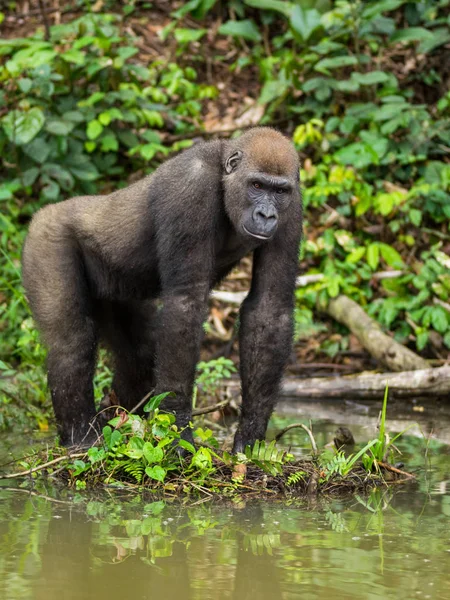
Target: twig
(31,493)
(43,466)
(439,302)
(210,409)
(141,402)
(389,467)
(44,19)
(300,425)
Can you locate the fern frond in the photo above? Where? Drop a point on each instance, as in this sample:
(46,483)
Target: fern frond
(295,478)
(267,457)
(135,469)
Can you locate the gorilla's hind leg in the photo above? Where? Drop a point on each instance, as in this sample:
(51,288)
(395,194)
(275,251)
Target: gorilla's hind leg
(70,373)
(61,302)
(130,337)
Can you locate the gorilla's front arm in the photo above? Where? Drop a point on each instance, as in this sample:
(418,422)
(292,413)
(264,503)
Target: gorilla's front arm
(186,262)
(179,336)
(265,335)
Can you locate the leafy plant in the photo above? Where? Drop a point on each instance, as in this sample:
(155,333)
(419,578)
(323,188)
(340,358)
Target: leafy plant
(212,373)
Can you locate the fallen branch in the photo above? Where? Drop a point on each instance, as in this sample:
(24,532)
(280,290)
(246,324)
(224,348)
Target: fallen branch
(424,382)
(43,466)
(301,281)
(381,346)
(301,426)
(393,469)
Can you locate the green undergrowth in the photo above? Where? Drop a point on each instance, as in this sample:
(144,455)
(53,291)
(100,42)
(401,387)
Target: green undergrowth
(151,453)
(361,88)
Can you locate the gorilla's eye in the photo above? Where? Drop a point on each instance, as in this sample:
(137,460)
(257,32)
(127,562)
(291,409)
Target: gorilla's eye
(280,190)
(257,185)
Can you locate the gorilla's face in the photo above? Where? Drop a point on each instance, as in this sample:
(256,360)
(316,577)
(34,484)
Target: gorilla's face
(267,196)
(257,201)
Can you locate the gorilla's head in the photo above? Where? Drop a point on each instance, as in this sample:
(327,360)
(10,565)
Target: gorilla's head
(261,180)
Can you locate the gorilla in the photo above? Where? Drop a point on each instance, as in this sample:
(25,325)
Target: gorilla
(133,269)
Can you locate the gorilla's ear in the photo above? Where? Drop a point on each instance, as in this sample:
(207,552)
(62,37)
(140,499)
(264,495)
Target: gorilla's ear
(232,162)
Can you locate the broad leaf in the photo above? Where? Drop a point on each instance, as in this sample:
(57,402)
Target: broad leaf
(245,29)
(152,454)
(304,22)
(157,472)
(21,127)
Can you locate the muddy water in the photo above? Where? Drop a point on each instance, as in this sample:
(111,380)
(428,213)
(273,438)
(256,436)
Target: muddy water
(393,544)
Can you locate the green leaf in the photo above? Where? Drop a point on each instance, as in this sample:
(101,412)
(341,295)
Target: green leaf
(389,111)
(30,175)
(93,99)
(415,216)
(75,116)
(187,446)
(202,459)
(277,5)
(390,255)
(271,90)
(198,8)
(21,127)
(373,255)
(85,172)
(355,255)
(109,143)
(358,155)
(155,401)
(62,176)
(25,84)
(417,34)
(439,319)
(104,118)
(94,129)
(184,36)
(156,472)
(371,78)
(447,339)
(50,190)
(245,29)
(107,431)
(376,8)
(74,56)
(337,62)
(38,150)
(304,22)
(5,194)
(152,454)
(135,448)
(116,438)
(333,286)
(96,454)
(422,340)
(59,127)
(440,36)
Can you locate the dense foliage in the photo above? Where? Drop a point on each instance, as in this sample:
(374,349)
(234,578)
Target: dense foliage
(362,87)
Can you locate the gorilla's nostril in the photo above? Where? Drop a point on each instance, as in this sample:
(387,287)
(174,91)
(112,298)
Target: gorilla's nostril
(266,216)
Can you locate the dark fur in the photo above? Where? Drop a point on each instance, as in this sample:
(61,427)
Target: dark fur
(93,267)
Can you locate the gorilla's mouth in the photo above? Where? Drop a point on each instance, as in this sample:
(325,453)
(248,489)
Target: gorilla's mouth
(258,236)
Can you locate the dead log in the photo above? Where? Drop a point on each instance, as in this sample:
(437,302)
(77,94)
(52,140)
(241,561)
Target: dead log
(381,346)
(408,384)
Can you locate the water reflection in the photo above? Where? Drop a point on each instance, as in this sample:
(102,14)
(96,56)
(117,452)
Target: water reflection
(393,544)
(389,545)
